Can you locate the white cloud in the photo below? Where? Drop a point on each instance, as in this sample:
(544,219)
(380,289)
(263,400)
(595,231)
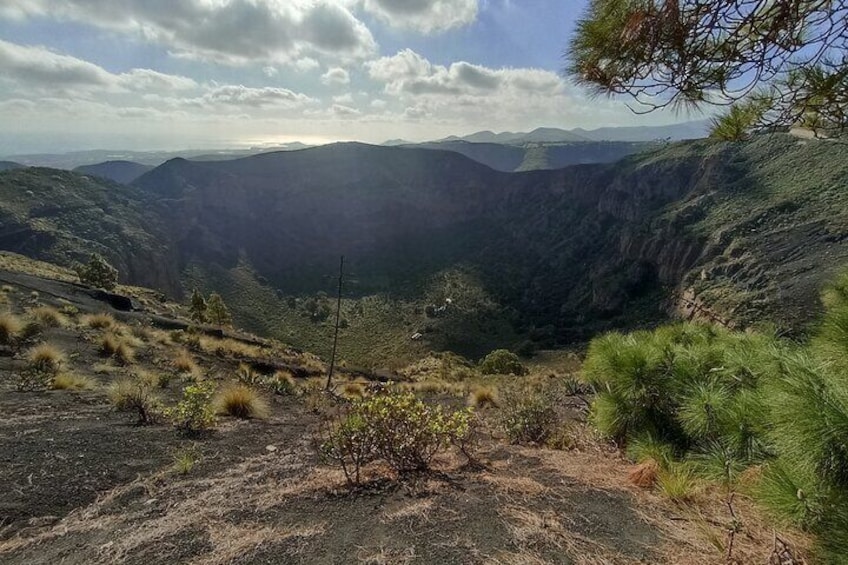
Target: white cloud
(233,32)
(344,99)
(42,68)
(464,96)
(344,111)
(336,77)
(150,80)
(238,95)
(408,73)
(426,16)
(305,64)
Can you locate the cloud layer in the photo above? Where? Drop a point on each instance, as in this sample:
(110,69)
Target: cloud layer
(251,69)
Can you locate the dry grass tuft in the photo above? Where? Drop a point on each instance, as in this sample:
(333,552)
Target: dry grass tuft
(112,345)
(677,483)
(184,363)
(645,474)
(70,381)
(430,387)
(229,348)
(48,317)
(10,328)
(483,397)
(418,510)
(241,401)
(353,390)
(46,358)
(99,321)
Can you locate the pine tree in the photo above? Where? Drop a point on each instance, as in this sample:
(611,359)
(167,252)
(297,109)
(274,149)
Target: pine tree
(198,307)
(217,312)
(98,273)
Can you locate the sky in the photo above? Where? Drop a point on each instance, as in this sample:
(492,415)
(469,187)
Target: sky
(177,74)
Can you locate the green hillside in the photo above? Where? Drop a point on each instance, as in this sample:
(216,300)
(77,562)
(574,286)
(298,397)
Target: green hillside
(63,217)
(741,233)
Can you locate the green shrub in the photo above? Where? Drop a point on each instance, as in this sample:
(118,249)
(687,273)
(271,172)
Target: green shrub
(527,417)
(98,273)
(713,402)
(185,459)
(685,384)
(397,428)
(195,412)
(282,383)
(502,362)
(350,445)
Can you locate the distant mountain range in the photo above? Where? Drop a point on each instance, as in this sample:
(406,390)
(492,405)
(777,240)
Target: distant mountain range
(105,159)
(676,132)
(510,158)
(10,165)
(72,160)
(123,172)
(727,231)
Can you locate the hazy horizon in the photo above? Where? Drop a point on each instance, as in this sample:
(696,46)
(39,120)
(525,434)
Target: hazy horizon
(150,76)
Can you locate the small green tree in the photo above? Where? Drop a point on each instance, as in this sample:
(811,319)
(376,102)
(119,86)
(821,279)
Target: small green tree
(98,273)
(217,312)
(502,362)
(198,307)
(195,412)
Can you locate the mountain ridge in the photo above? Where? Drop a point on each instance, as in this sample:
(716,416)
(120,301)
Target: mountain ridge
(699,228)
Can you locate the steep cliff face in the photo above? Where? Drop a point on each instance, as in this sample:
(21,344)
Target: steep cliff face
(63,217)
(739,233)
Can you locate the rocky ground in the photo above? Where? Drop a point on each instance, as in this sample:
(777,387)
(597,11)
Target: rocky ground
(83,484)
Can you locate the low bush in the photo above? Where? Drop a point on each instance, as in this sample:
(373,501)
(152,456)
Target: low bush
(195,412)
(282,383)
(241,401)
(98,273)
(396,428)
(185,459)
(136,396)
(502,362)
(527,416)
(718,404)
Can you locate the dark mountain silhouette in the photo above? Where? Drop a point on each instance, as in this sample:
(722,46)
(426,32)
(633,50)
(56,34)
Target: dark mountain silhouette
(10,165)
(739,232)
(123,172)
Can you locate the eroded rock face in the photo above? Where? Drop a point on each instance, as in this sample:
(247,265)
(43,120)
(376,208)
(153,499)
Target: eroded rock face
(732,232)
